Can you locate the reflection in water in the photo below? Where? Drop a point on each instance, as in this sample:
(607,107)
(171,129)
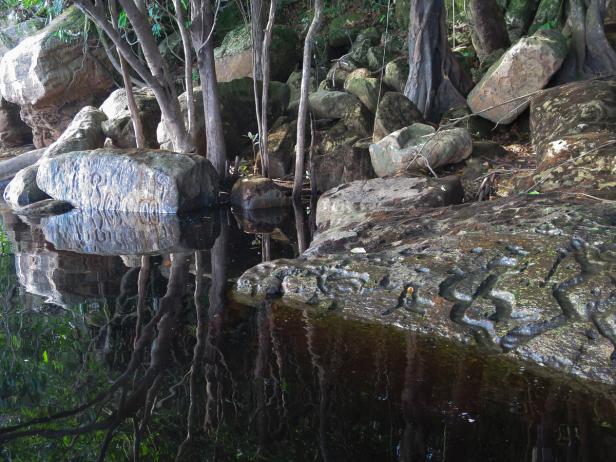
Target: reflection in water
(159,366)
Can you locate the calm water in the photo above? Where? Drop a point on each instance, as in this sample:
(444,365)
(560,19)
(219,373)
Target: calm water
(118,342)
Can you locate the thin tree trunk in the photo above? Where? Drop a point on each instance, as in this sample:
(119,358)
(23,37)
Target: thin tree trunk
(128,86)
(201,31)
(436,82)
(266,64)
(300,147)
(256,35)
(187,46)
(490,31)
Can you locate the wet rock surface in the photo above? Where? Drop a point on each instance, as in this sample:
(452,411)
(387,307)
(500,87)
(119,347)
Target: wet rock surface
(530,277)
(146,181)
(23,190)
(258,193)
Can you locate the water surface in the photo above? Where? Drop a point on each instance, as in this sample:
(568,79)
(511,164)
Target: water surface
(118,341)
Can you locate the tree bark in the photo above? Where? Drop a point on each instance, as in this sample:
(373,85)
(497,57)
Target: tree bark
(490,31)
(266,64)
(302,116)
(436,82)
(201,32)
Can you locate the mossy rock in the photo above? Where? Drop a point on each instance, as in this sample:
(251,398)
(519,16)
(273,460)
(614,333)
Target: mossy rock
(343,29)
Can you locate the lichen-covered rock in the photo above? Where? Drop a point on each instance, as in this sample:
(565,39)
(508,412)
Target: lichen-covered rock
(579,107)
(235,97)
(419,147)
(343,29)
(51,79)
(331,104)
(366,89)
(119,127)
(502,94)
(139,180)
(281,143)
(13,131)
(550,13)
(395,75)
(256,192)
(530,277)
(395,111)
(234,55)
(85,132)
(23,189)
(295,83)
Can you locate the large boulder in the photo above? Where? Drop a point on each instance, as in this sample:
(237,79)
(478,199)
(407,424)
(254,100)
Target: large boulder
(142,180)
(281,149)
(570,110)
(396,74)
(234,55)
(238,114)
(13,131)
(10,167)
(256,192)
(503,92)
(330,104)
(13,34)
(51,79)
(119,126)
(85,132)
(395,111)
(419,147)
(340,163)
(366,89)
(23,189)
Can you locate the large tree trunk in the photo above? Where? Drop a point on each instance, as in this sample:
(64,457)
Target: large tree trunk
(201,30)
(436,82)
(302,115)
(489,29)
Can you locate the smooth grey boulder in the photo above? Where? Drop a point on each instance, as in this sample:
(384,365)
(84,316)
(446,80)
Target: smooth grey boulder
(23,189)
(258,193)
(85,132)
(51,79)
(419,147)
(10,167)
(119,126)
(138,180)
(505,90)
(331,104)
(103,232)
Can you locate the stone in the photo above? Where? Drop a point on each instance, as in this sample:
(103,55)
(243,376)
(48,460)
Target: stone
(295,82)
(375,57)
(234,55)
(23,189)
(235,99)
(10,167)
(395,75)
(524,69)
(103,232)
(462,117)
(365,89)
(419,147)
(343,163)
(569,110)
(358,120)
(472,274)
(13,131)
(343,29)
(51,79)
(336,77)
(351,202)
(256,192)
(119,126)
(330,104)
(281,144)
(583,163)
(13,34)
(139,180)
(85,132)
(395,111)
(549,14)
(44,208)
(370,35)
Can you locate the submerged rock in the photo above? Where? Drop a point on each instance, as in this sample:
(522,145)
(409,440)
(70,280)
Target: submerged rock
(258,193)
(503,92)
(51,79)
(525,276)
(419,147)
(23,189)
(142,180)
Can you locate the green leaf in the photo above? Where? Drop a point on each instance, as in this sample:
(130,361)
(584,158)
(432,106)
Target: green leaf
(534,193)
(45,357)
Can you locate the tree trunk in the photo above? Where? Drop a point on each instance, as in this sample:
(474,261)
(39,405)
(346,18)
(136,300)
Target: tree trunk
(201,30)
(266,64)
(256,34)
(489,29)
(302,114)
(436,82)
